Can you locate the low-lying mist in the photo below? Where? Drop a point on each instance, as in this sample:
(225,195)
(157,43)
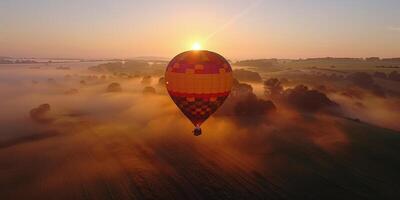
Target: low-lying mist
(57,122)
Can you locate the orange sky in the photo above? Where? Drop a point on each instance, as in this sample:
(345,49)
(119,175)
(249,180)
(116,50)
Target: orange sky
(236,29)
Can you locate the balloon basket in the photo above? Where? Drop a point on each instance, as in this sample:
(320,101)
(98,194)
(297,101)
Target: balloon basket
(197,131)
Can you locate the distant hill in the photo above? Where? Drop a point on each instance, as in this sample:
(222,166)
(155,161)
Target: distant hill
(330,62)
(151,58)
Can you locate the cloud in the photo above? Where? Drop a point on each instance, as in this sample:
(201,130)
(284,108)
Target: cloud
(394,28)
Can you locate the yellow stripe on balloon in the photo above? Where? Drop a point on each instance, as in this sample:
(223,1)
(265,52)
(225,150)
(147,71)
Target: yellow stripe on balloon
(199,83)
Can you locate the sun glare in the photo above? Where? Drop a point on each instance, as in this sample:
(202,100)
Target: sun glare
(196,46)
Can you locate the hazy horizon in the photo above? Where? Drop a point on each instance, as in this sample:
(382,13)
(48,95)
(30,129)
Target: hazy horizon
(151,57)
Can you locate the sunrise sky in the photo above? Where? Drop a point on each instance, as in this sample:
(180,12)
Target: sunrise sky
(236,28)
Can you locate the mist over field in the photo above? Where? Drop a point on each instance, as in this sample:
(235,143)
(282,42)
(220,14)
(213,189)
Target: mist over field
(290,129)
(295,99)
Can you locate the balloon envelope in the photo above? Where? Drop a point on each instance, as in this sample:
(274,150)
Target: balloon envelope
(198,82)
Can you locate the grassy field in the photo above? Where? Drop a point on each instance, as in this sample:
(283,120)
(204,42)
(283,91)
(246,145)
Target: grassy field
(84,163)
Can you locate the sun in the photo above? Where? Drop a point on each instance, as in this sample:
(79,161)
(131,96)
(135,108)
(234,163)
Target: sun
(196,46)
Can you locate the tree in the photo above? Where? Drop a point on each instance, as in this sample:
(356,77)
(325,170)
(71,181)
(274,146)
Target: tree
(273,87)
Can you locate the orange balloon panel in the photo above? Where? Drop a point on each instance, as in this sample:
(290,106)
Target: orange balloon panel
(198,82)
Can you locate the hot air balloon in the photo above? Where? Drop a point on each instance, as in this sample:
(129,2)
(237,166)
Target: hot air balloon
(198,81)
